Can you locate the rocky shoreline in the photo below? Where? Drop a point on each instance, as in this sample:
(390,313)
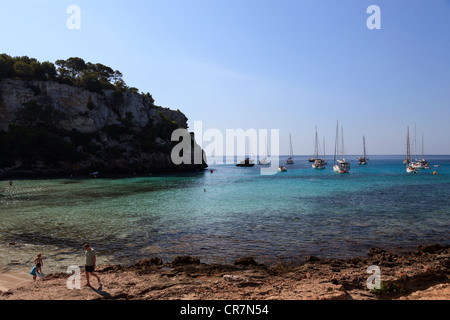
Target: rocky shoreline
(423,274)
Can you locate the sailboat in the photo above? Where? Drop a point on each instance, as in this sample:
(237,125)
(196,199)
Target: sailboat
(290,160)
(421,164)
(342,165)
(247,162)
(407,160)
(318,163)
(409,166)
(363,160)
(316,156)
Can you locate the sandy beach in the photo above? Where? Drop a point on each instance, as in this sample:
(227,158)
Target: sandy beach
(420,275)
(11,280)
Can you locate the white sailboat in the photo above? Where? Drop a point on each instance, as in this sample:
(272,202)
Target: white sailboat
(290,160)
(363,160)
(340,165)
(407,160)
(318,163)
(421,164)
(409,166)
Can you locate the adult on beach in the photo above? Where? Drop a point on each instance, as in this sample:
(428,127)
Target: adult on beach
(90,264)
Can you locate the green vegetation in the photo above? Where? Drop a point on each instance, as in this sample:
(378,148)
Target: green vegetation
(26,68)
(73,71)
(387,288)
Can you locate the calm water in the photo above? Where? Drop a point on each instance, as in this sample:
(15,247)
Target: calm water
(241,213)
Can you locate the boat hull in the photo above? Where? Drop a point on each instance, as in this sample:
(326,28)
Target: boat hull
(411,170)
(246,163)
(340,169)
(319,165)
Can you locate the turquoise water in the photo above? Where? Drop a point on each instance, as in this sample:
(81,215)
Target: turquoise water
(227,214)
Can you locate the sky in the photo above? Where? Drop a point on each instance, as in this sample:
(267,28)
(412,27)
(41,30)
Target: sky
(287,65)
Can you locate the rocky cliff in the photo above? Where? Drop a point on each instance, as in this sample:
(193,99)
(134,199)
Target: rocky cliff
(52,129)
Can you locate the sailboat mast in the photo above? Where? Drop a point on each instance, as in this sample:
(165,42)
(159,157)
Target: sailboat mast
(415,143)
(290,142)
(342,130)
(324,152)
(364,144)
(316,148)
(408,149)
(336,142)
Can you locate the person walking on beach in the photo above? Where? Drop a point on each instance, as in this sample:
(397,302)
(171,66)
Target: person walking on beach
(90,264)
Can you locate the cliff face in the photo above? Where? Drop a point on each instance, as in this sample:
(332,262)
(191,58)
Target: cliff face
(48,128)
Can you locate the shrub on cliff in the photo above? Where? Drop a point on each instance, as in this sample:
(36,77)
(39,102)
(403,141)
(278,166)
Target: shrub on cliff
(26,68)
(95,77)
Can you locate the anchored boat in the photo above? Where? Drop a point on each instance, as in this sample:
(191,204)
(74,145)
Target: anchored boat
(340,165)
(363,160)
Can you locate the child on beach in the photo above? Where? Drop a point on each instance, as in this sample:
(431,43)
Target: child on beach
(33,273)
(37,269)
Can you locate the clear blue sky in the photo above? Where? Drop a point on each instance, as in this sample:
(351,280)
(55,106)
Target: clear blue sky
(265,64)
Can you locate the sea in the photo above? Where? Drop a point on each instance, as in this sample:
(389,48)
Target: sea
(225,213)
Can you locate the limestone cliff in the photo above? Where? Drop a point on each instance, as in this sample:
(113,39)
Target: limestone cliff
(52,129)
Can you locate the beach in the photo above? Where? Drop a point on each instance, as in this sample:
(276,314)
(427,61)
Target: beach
(422,274)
